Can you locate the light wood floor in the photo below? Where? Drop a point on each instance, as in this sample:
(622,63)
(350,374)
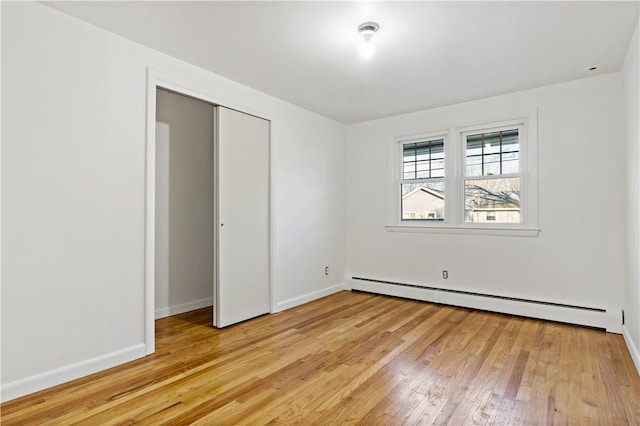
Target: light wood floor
(356,358)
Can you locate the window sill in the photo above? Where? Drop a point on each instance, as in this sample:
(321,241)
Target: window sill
(464,230)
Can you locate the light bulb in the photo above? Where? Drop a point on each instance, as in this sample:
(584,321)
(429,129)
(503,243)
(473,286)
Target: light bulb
(366,50)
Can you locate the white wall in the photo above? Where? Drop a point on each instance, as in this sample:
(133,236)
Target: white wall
(576,259)
(184,223)
(73,193)
(631,90)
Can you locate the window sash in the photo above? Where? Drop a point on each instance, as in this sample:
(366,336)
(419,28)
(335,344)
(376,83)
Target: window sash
(484,149)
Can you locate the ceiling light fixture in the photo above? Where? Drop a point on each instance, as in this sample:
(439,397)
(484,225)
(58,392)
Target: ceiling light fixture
(367,30)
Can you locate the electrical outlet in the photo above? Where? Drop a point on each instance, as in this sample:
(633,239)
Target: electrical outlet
(445,274)
(326,270)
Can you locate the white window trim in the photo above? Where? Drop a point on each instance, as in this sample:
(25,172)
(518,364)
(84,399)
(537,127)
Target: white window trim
(455,163)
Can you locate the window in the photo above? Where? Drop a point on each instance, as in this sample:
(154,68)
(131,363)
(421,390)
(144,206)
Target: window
(422,182)
(480,180)
(492,176)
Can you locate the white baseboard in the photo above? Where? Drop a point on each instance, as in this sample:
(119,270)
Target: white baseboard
(633,349)
(305,298)
(183,307)
(608,320)
(55,377)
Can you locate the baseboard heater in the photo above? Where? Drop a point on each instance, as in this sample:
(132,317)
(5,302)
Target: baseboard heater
(574,314)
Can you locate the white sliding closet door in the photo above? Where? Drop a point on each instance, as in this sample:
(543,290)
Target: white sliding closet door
(242,287)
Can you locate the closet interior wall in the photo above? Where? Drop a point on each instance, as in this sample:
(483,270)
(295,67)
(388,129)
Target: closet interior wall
(184,204)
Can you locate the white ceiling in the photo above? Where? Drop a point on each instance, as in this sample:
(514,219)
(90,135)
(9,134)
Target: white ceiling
(428,54)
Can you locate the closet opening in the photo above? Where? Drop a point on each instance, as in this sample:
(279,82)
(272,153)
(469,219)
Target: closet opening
(184,204)
(207,219)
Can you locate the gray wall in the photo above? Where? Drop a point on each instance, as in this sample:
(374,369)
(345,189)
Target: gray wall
(184,205)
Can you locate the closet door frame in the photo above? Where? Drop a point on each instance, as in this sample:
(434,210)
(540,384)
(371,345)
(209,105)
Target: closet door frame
(196,88)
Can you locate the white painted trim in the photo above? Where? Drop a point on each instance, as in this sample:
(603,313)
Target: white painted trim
(465,230)
(183,307)
(272,222)
(607,320)
(175,84)
(150,217)
(55,377)
(1,186)
(633,349)
(309,297)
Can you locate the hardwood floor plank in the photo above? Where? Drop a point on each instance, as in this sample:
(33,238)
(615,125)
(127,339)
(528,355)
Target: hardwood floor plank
(355,358)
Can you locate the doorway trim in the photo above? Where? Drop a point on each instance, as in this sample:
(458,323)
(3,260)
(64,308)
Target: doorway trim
(158,80)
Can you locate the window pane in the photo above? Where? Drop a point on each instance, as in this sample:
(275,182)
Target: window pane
(422,151)
(492,200)
(437,168)
(409,152)
(422,201)
(510,140)
(493,153)
(510,152)
(492,164)
(474,165)
(491,143)
(422,170)
(510,163)
(437,148)
(423,160)
(474,145)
